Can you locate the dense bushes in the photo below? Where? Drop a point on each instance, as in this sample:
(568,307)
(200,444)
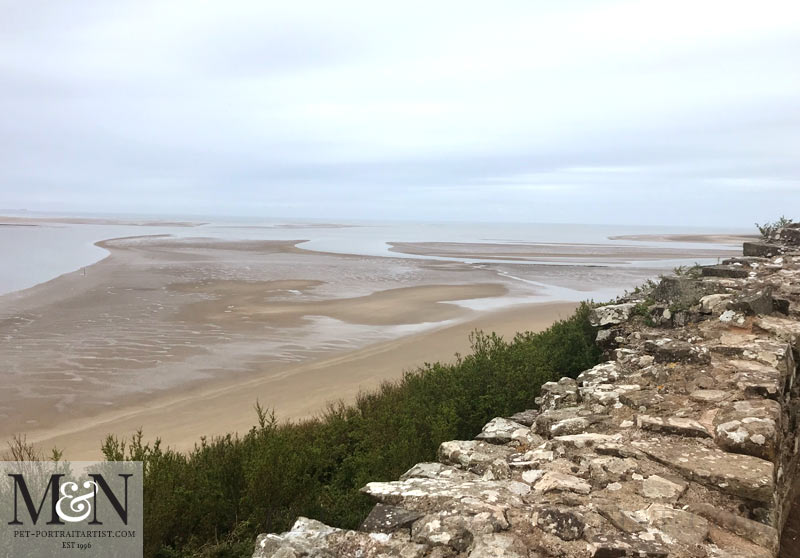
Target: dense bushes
(213,501)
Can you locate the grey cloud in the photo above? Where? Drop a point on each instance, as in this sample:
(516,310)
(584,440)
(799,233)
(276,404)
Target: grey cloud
(589,111)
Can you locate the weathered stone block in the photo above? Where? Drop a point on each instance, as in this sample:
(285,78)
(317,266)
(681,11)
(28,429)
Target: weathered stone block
(504,431)
(743,476)
(673,425)
(758,303)
(475,456)
(734,272)
(750,427)
(566,525)
(671,350)
(611,315)
(387,519)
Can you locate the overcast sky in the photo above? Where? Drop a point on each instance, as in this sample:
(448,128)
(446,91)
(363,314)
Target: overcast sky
(676,112)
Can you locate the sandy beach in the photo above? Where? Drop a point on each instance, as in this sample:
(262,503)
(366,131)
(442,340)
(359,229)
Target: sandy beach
(562,252)
(181,336)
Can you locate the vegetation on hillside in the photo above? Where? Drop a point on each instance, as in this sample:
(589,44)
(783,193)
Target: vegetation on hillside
(767,229)
(213,501)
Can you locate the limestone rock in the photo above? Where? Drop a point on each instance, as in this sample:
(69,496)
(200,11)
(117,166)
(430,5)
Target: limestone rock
(558,395)
(760,249)
(758,303)
(659,488)
(670,350)
(606,394)
(684,527)
(637,399)
(468,497)
(446,531)
(730,271)
(753,531)
(314,539)
(525,418)
(495,545)
(749,427)
(758,380)
(672,425)
(709,395)
(580,441)
(743,476)
(619,545)
(387,519)
(573,425)
(611,315)
(434,470)
(552,481)
(470,455)
(715,303)
(604,373)
(545,421)
(620,519)
(566,525)
(502,431)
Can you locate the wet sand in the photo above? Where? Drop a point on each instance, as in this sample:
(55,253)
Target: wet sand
(181,417)
(554,252)
(732,239)
(162,321)
(181,336)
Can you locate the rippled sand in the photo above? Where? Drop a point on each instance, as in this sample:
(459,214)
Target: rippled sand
(182,336)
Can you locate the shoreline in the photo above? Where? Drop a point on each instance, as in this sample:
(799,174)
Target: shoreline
(181,335)
(180,417)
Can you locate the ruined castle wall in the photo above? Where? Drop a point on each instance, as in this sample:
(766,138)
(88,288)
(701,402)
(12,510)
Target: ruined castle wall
(683,443)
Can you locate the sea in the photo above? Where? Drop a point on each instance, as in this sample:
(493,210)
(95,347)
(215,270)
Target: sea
(34,254)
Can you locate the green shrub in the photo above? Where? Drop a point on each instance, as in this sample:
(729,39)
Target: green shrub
(213,501)
(767,229)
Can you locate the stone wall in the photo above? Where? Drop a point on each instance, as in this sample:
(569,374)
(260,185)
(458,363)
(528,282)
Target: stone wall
(684,443)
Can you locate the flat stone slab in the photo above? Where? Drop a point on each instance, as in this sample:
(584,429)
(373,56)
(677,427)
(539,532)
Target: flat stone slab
(656,487)
(620,519)
(545,422)
(760,249)
(559,482)
(387,519)
(673,425)
(417,494)
(471,455)
(436,470)
(758,533)
(312,538)
(740,475)
(709,395)
(682,526)
(588,440)
(621,545)
(525,418)
(731,271)
(784,329)
(671,350)
(758,380)
(494,545)
(606,394)
(641,398)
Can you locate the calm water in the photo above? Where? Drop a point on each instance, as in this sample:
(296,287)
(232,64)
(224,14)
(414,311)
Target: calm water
(32,255)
